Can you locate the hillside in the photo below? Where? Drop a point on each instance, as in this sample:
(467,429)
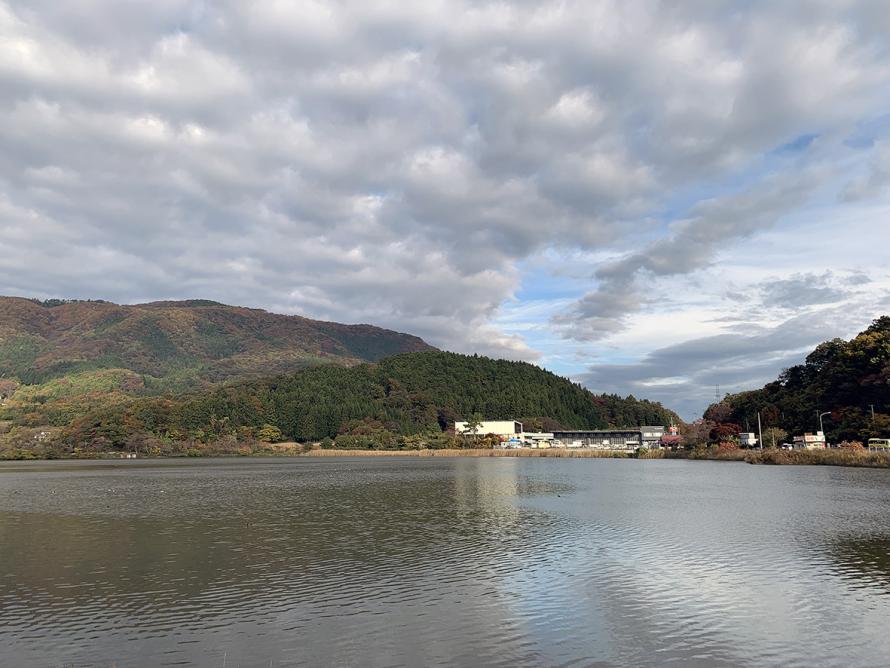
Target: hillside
(213,341)
(845,378)
(62,352)
(413,393)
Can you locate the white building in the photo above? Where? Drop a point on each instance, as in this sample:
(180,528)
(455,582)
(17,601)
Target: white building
(810,441)
(511,431)
(538,439)
(651,435)
(748,439)
(503,429)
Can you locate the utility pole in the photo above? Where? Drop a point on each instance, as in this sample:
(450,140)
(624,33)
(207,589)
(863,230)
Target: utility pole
(760,430)
(872,406)
(821,428)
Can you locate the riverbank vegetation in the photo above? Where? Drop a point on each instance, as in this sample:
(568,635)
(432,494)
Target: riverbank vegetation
(773,456)
(475,452)
(827,457)
(849,381)
(841,456)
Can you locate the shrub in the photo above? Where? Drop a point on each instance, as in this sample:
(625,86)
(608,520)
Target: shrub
(412,443)
(443,441)
(851,445)
(268,433)
(382,440)
(698,452)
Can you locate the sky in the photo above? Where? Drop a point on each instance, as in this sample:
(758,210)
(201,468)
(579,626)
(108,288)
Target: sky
(668,200)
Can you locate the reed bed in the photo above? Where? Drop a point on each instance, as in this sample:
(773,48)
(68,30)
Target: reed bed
(710,454)
(830,457)
(650,454)
(473,452)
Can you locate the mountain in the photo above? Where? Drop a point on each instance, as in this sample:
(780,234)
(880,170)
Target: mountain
(846,379)
(62,350)
(40,341)
(412,393)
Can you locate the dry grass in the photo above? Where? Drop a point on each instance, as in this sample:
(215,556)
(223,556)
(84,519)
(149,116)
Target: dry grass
(524,452)
(711,454)
(830,457)
(833,457)
(650,454)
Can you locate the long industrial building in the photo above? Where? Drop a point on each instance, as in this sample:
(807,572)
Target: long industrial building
(610,439)
(613,439)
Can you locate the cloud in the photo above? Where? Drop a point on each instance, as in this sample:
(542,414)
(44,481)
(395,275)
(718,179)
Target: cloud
(803,290)
(399,162)
(685,375)
(877,177)
(693,244)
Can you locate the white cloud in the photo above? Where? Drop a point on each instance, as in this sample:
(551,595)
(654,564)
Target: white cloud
(398,162)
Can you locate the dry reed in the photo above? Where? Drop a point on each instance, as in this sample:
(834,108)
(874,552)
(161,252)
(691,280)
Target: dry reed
(470,452)
(830,457)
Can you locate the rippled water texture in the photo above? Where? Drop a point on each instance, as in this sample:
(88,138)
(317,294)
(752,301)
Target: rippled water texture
(443,561)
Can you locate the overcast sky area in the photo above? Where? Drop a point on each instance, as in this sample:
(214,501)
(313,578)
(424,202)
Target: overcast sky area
(649,198)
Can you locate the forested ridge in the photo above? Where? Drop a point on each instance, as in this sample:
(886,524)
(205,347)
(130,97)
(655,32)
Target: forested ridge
(848,380)
(60,357)
(411,393)
(194,339)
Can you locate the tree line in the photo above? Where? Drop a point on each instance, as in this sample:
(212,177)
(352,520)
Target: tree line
(408,394)
(849,381)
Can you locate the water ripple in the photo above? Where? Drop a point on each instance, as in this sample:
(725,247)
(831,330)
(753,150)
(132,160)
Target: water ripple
(442,562)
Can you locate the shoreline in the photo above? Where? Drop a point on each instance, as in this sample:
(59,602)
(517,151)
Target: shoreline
(292,453)
(473,452)
(768,457)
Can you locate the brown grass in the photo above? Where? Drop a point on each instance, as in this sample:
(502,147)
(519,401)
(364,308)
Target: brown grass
(524,452)
(710,454)
(830,457)
(651,454)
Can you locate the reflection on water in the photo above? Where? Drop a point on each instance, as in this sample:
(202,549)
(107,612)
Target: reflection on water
(446,561)
(864,560)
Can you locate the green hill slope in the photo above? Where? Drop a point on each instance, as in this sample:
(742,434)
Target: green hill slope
(412,393)
(844,378)
(104,352)
(41,341)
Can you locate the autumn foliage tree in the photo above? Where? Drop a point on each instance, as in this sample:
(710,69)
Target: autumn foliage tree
(724,432)
(851,379)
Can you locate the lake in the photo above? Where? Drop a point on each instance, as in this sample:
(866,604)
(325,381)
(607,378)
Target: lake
(465,562)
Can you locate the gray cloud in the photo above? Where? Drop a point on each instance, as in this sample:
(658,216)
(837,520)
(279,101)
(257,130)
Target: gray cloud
(685,376)
(876,179)
(395,162)
(802,290)
(693,245)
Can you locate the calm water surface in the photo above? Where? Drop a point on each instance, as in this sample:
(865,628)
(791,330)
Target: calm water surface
(467,562)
